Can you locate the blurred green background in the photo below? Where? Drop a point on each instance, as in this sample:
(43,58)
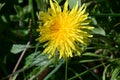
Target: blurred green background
(99,61)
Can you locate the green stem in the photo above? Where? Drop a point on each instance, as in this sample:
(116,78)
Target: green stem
(53,71)
(37,45)
(106,14)
(56,58)
(85,72)
(66,68)
(32,11)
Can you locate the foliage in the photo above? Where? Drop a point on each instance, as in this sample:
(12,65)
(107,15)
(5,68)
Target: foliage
(99,61)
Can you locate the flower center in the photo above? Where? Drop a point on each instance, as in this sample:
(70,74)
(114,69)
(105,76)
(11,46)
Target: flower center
(55,26)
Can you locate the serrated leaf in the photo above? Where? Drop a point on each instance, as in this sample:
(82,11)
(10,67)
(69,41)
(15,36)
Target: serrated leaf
(30,59)
(40,59)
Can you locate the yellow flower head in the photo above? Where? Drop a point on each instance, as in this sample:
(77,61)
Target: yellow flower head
(63,30)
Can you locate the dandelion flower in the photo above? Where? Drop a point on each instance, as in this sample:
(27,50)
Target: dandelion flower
(64,30)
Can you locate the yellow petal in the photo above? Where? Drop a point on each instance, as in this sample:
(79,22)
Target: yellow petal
(64,30)
(65,6)
(52,6)
(57,7)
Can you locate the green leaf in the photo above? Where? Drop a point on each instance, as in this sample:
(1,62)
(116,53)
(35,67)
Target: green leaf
(85,72)
(99,31)
(92,54)
(21,32)
(1,5)
(59,1)
(17,48)
(18,9)
(53,71)
(40,59)
(4,19)
(94,21)
(115,73)
(104,72)
(72,3)
(20,1)
(40,4)
(14,18)
(27,9)
(30,59)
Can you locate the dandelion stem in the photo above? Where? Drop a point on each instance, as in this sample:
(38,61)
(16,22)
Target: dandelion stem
(66,68)
(55,58)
